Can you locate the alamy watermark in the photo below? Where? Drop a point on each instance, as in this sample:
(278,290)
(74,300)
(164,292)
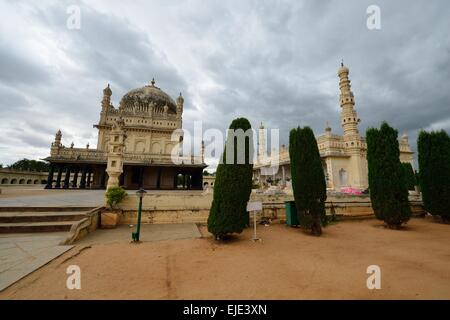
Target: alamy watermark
(235,147)
(373,21)
(374,280)
(74,279)
(73,21)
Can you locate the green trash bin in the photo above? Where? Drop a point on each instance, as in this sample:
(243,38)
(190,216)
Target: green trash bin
(291,214)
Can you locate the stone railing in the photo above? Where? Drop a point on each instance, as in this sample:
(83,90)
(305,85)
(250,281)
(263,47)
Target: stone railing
(78,154)
(64,153)
(82,228)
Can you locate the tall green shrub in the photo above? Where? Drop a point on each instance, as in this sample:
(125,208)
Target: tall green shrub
(233,185)
(408,175)
(434,172)
(388,192)
(308,179)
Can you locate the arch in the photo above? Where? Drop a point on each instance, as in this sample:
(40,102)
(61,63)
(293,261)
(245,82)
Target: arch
(36,181)
(139,147)
(169,148)
(156,147)
(22,181)
(14,181)
(29,181)
(343,177)
(5,181)
(43,181)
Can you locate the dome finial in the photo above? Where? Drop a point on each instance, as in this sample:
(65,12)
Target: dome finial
(107,91)
(342,62)
(153,82)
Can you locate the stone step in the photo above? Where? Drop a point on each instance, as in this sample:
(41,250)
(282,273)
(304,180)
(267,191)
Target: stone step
(29,227)
(18,217)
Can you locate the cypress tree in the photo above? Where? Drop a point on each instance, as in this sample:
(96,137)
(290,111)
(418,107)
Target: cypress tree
(233,186)
(409,175)
(308,179)
(434,172)
(388,192)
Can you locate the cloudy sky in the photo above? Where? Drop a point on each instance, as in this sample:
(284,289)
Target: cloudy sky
(269,61)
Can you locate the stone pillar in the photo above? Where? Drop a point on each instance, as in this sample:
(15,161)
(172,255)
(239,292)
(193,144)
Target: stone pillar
(283,177)
(188,181)
(88,182)
(66,178)
(75,177)
(83,178)
(184,180)
(58,177)
(49,184)
(115,153)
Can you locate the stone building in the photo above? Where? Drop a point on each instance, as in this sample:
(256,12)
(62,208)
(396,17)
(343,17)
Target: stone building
(343,156)
(138,146)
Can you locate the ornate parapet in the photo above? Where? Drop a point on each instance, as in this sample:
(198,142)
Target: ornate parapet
(64,153)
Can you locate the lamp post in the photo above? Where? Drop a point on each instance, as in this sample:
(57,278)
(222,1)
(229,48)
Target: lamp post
(135,235)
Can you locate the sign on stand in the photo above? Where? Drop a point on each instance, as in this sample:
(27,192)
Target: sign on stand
(254,206)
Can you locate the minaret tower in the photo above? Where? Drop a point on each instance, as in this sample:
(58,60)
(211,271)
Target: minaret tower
(106,102)
(353,143)
(349,118)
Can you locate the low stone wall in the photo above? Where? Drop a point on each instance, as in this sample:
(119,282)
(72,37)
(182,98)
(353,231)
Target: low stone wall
(168,207)
(193,206)
(83,227)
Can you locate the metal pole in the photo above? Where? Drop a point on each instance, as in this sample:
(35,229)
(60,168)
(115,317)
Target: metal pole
(139,219)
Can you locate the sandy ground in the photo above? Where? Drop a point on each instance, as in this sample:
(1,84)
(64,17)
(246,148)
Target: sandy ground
(287,264)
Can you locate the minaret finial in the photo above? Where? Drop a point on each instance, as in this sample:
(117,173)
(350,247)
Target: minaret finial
(342,62)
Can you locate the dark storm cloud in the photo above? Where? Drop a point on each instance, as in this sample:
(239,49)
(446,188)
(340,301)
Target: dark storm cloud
(274,62)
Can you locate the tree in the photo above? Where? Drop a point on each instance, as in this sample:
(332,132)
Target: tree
(233,184)
(308,179)
(409,175)
(30,165)
(434,172)
(388,192)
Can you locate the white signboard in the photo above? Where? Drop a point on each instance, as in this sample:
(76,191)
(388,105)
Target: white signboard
(254,206)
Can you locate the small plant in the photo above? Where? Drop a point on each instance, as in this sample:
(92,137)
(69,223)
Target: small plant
(115,195)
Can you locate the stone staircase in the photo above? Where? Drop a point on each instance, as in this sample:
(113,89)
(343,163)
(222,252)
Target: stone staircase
(39,219)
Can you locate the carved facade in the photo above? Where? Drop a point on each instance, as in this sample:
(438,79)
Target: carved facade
(136,146)
(343,156)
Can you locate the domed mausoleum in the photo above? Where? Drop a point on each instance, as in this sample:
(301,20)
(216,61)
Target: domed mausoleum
(137,147)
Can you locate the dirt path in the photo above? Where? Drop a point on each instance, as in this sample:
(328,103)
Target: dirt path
(287,264)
